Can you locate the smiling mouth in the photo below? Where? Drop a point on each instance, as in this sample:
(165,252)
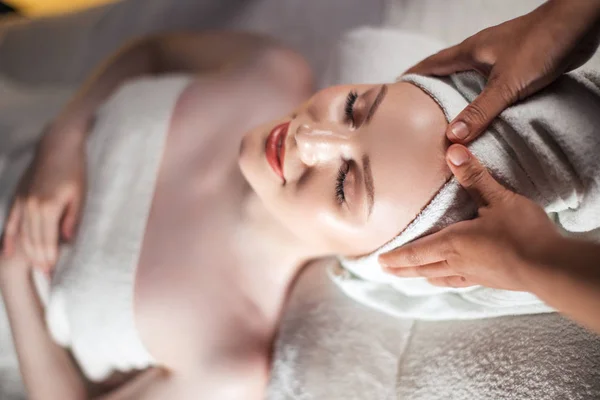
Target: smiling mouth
(275,148)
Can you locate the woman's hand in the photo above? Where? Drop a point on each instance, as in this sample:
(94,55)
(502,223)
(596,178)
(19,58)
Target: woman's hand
(48,201)
(498,249)
(519,57)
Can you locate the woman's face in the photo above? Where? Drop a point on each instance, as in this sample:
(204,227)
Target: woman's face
(350,168)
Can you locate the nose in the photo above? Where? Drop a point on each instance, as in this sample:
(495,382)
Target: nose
(323,142)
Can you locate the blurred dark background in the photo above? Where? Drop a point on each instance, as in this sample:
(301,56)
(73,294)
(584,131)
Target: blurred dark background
(6,9)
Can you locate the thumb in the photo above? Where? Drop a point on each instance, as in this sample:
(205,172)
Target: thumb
(475,118)
(473,176)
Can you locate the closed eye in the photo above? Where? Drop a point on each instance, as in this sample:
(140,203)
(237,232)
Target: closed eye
(349,108)
(340,194)
(359,110)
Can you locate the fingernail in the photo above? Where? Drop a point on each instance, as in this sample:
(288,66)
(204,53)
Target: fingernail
(388,270)
(458,155)
(459,130)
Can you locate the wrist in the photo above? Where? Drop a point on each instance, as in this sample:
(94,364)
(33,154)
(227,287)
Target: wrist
(13,269)
(73,123)
(65,135)
(560,258)
(583,12)
(544,258)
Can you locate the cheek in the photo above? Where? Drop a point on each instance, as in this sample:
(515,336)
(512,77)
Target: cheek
(300,211)
(387,221)
(306,214)
(328,230)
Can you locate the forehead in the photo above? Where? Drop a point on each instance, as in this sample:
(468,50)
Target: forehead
(395,161)
(405,142)
(338,90)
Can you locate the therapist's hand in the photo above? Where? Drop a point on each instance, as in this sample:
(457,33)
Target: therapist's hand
(519,57)
(510,235)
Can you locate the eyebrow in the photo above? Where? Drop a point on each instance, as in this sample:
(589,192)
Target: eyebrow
(368,177)
(376,102)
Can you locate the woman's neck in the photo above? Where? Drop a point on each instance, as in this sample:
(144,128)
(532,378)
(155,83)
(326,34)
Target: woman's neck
(270,256)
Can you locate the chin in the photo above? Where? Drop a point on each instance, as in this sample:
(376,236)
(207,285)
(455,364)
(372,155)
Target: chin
(248,153)
(249,163)
(244,161)
(242,149)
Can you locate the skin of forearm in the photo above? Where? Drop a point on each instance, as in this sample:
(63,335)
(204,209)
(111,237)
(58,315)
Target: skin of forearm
(46,368)
(587,10)
(581,15)
(136,59)
(568,279)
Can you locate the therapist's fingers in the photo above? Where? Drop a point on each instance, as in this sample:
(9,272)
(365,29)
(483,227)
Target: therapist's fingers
(430,249)
(473,176)
(454,281)
(445,62)
(498,94)
(438,269)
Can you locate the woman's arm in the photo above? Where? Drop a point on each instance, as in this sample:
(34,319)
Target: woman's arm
(46,368)
(192,53)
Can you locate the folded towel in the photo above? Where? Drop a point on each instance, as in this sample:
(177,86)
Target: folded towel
(90,307)
(89,303)
(544,148)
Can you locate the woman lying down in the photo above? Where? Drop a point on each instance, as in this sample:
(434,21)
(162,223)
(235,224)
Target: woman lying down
(206,192)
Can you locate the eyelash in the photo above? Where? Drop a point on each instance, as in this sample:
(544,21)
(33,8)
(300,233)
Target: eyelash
(349,107)
(339,182)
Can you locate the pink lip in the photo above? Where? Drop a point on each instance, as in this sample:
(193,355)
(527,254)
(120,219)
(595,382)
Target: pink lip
(275,148)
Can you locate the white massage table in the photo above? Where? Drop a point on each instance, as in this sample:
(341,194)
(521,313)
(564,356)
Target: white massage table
(328,347)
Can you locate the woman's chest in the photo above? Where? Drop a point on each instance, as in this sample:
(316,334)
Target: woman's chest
(186,281)
(187,271)
(188,251)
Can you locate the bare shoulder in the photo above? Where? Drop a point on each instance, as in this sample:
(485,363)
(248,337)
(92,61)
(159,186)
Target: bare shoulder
(286,69)
(232,51)
(273,80)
